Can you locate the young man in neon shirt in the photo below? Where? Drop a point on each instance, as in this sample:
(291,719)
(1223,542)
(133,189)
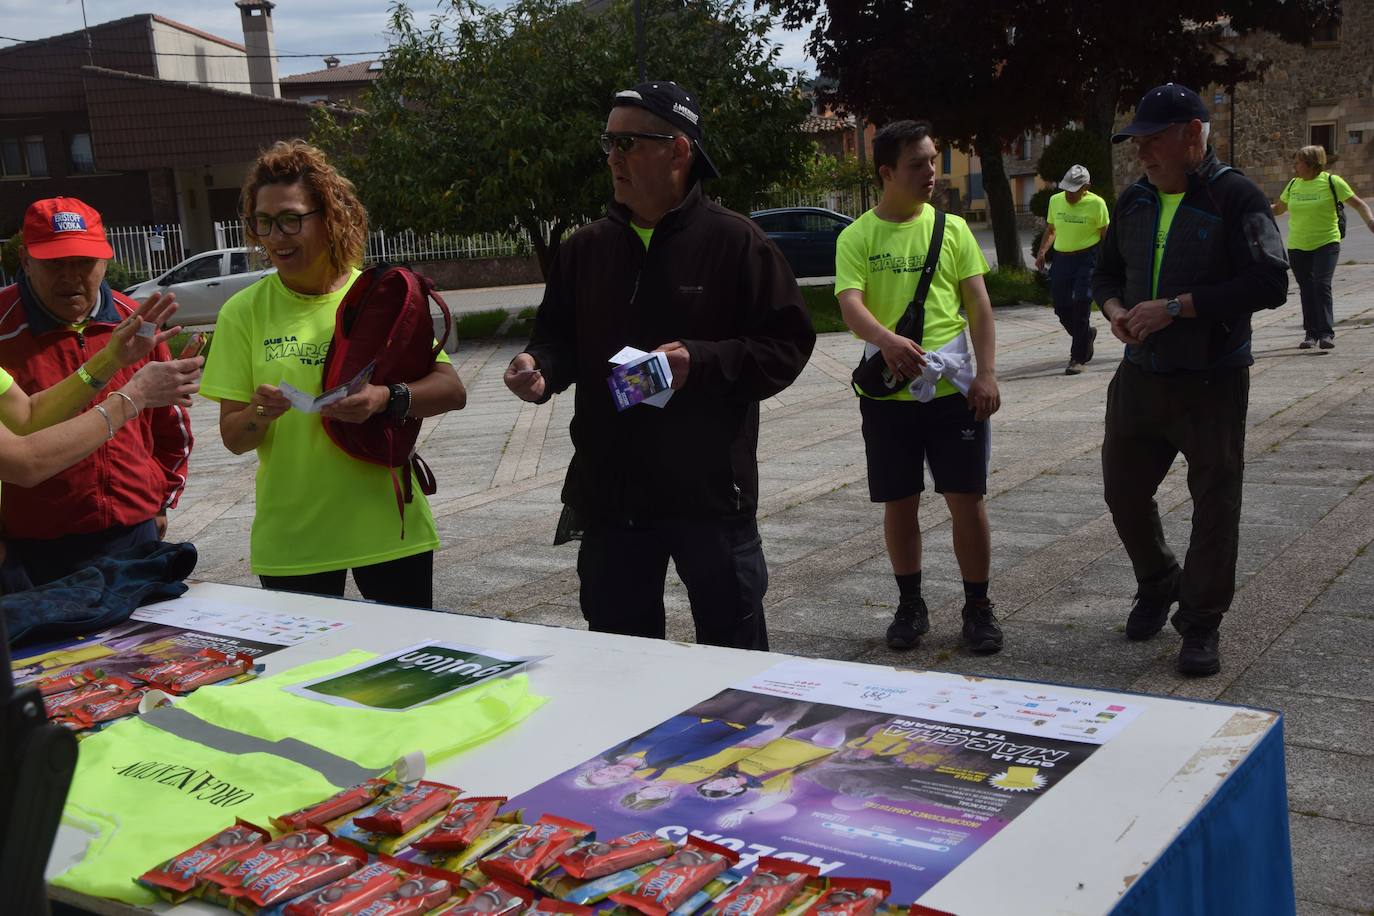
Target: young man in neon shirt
(942,421)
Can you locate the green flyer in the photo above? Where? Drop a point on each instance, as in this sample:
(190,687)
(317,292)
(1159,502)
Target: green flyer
(412,677)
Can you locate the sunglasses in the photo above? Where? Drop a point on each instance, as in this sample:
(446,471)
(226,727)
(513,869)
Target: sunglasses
(625,140)
(288,222)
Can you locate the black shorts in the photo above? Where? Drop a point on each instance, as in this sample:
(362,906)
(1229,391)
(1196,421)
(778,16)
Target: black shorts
(901,437)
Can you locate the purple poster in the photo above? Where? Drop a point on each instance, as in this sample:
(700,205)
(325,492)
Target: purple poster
(857,792)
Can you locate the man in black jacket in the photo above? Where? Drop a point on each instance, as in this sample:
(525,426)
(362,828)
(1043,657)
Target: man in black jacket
(1191,253)
(667,270)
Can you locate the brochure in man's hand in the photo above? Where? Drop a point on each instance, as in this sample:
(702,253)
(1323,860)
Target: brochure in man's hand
(640,378)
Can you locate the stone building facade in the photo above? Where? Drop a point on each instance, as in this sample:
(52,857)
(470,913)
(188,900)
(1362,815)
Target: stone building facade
(1320,94)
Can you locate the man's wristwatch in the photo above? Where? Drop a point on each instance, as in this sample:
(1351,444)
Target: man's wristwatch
(1173,307)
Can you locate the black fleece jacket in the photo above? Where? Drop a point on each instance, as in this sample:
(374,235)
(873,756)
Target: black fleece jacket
(711,279)
(1223,247)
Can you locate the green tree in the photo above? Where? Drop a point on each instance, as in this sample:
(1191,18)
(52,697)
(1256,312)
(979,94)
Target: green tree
(985,71)
(486,118)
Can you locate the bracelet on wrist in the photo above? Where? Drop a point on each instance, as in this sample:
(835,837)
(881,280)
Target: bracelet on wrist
(109,424)
(132,406)
(85,375)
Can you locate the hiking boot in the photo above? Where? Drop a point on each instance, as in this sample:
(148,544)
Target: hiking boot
(1326,343)
(909,624)
(1148,616)
(1074,368)
(981,632)
(1092,336)
(1307,343)
(1201,653)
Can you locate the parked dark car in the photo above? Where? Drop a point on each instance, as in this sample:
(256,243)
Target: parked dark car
(805,235)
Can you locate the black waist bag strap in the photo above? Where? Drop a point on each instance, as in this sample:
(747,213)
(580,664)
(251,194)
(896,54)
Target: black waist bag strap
(872,375)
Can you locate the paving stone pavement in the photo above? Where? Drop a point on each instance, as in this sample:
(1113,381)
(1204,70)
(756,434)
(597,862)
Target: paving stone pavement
(1299,638)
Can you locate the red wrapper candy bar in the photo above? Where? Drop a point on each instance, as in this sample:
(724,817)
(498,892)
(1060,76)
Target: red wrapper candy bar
(178,875)
(551,907)
(464,822)
(106,688)
(526,856)
(850,897)
(350,894)
(270,855)
(124,704)
(223,668)
(417,893)
(177,665)
(773,885)
(345,802)
(595,859)
(493,899)
(61,683)
(405,811)
(324,865)
(684,873)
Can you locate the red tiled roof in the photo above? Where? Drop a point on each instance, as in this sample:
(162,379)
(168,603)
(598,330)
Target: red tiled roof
(344,73)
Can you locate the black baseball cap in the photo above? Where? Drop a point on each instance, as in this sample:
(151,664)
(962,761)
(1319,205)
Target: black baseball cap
(1161,107)
(675,105)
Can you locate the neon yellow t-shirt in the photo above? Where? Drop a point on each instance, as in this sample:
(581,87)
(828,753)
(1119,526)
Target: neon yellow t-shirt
(1312,210)
(1168,206)
(318,509)
(644,234)
(1076,226)
(884,260)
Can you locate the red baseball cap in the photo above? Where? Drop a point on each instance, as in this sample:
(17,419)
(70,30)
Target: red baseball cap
(64,227)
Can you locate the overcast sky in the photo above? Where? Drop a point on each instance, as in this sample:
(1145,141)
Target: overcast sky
(310,27)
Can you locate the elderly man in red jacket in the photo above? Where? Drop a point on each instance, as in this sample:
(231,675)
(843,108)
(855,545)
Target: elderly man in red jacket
(55,322)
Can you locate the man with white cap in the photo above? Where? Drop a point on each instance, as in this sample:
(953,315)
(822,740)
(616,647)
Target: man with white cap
(1077,222)
(65,334)
(1193,251)
(667,269)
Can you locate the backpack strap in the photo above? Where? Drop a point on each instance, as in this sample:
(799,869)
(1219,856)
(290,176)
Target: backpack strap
(915,315)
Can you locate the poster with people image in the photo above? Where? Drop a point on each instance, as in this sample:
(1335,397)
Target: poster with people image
(902,778)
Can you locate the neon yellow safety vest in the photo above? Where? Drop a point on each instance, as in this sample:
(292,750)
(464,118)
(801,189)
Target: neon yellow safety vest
(153,786)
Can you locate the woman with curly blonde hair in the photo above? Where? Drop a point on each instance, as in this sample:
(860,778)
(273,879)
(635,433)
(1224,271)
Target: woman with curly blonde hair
(320,512)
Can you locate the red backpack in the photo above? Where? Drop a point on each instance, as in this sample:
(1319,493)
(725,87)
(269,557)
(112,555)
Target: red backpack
(384,318)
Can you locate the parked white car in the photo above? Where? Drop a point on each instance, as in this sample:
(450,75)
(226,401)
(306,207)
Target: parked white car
(203,283)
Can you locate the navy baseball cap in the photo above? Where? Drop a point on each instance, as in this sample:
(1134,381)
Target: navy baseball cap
(675,105)
(1161,107)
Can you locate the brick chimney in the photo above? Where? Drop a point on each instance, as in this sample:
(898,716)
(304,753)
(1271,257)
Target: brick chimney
(257,38)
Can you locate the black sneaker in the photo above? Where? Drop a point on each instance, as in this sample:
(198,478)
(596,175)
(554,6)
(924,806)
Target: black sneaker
(909,624)
(1326,343)
(1148,616)
(1307,343)
(1201,654)
(1074,368)
(1092,336)
(981,632)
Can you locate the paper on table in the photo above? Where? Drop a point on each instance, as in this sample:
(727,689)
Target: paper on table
(628,354)
(308,404)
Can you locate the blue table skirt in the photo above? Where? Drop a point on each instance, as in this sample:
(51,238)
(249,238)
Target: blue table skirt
(1234,856)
